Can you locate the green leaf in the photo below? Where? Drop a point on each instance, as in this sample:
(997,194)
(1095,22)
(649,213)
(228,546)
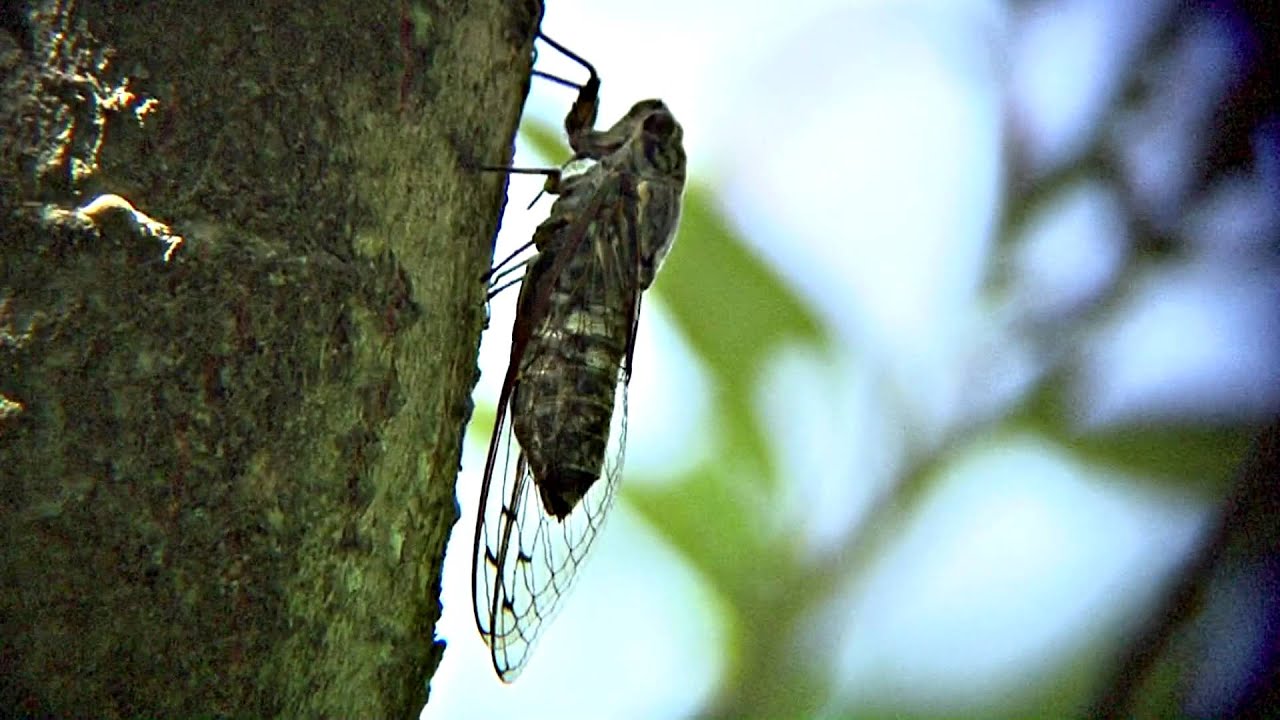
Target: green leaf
(708,517)
(1192,452)
(735,313)
(734,309)
(1201,456)
(483,416)
(547,141)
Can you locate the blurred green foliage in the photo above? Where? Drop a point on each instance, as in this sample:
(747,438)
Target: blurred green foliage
(735,314)
(1197,455)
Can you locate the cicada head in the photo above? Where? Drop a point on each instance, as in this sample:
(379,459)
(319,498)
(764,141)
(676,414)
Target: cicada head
(657,144)
(647,140)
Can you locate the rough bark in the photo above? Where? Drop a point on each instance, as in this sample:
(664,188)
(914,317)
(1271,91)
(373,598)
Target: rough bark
(238,330)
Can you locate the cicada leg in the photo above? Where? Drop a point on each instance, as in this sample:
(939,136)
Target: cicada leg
(582,116)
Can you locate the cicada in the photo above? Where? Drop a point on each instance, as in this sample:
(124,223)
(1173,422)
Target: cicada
(552,473)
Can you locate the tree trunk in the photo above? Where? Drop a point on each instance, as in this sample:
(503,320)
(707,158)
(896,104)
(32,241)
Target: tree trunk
(240,306)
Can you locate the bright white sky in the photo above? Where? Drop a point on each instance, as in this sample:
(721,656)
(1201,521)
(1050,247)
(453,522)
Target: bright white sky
(857,145)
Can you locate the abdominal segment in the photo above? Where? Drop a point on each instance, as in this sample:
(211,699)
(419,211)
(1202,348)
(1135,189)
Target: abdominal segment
(563,402)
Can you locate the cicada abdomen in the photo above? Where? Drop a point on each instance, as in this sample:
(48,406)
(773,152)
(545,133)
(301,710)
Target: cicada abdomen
(559,437)
(563,400)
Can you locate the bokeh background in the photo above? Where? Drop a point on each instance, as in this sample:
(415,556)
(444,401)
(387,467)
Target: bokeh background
(970,321)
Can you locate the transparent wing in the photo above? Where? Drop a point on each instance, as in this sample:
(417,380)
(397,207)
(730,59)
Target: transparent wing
(525,559)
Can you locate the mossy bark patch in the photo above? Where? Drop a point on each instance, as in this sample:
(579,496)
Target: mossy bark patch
(228,446)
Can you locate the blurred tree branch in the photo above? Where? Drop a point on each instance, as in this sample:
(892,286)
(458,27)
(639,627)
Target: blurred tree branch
(1244,533)
(1242,546)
